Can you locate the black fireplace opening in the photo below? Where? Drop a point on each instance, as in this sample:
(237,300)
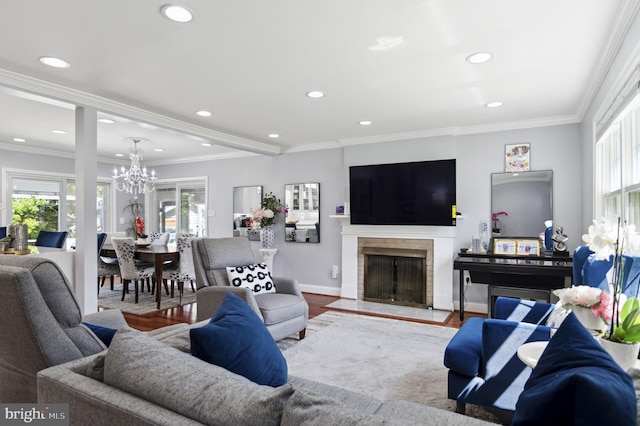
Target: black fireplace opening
(396,279)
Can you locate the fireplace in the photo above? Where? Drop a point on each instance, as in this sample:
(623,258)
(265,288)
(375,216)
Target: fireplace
(396,271)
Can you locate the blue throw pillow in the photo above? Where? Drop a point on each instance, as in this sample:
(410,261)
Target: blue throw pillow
(104,333)
(237,339)
(576,382)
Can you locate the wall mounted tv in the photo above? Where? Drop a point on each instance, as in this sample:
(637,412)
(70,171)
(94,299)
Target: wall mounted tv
(416,193)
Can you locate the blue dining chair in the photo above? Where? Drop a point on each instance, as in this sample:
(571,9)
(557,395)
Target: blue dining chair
(51,239)
(3,231)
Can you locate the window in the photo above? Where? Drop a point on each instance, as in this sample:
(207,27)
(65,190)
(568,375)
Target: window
(618,167)
(190,217)
(48,203)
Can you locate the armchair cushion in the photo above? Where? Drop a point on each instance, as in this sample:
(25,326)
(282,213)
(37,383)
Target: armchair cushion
(255,277)
(576,382)
(236,339)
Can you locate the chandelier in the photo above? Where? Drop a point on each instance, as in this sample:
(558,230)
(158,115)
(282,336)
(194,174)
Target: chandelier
(135,180)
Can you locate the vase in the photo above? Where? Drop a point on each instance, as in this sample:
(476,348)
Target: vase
(624,354)
(588,319)
(267,237)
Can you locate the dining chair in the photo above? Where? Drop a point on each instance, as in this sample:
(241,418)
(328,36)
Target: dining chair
(3,231)
(105,269)
(159,238)
(129,270)
(51,239)
(184,270)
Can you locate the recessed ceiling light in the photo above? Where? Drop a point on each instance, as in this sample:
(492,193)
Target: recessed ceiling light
(274,135)
(54,62)
(479,58)
(176,13)
(59,132)
(158,150)
(206,144)
(494,104)
(119,155)
(365,123)
(19,140)
(203,113)
(106,120)
(315,94)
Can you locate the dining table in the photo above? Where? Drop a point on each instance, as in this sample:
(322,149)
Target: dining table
(155,254)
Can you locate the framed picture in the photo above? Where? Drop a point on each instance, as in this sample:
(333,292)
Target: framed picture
(528,247)
(517,157)
(504,246)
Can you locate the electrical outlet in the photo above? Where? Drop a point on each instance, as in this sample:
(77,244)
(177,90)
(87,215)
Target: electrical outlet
(334,271)
(122,221)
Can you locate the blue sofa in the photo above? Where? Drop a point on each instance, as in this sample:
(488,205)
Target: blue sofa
(484,368)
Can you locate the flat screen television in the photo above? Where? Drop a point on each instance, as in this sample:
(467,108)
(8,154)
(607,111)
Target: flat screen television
(416,193)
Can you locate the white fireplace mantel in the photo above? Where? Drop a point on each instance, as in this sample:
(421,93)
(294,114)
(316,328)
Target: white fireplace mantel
(443,241)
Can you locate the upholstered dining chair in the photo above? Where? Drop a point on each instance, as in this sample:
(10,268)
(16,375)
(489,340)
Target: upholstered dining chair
(3,231)
(184,271)
(159,238)
(51,239)
(105,269)
(284,310)
(129,270)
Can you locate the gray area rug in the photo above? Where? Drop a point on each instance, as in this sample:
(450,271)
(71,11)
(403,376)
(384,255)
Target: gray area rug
(385,358)
(108,299)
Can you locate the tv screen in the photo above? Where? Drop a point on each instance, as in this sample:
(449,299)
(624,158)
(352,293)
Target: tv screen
(417,193)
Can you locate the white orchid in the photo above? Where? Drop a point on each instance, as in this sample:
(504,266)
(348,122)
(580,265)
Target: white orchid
(608,237)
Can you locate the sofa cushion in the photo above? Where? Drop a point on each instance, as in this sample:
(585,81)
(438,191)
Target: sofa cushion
(104,333)
(237,339)
(140,365)
(576,382)
(256,277)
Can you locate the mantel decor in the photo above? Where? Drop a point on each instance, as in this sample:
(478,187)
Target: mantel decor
(135,180)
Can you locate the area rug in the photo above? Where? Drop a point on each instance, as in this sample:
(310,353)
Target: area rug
(108,299)
(385,358)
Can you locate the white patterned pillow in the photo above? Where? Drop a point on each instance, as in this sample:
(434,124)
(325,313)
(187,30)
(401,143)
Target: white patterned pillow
(256,278)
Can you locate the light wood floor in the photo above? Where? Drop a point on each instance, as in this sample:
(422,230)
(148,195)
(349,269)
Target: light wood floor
(187,314)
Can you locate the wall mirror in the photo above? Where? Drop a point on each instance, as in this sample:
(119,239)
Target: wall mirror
(245,200)
(526,197)
(302,220)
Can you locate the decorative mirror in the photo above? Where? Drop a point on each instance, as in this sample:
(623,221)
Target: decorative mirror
(245,200)
(527,200)
(302,220)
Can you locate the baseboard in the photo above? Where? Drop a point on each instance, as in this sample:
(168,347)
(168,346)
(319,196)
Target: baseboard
(320,289)
(479,308)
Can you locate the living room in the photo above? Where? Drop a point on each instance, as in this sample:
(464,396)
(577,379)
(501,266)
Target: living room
(562,144)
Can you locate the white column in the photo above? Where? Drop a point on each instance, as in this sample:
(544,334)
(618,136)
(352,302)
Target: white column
(267,257)
(86,264)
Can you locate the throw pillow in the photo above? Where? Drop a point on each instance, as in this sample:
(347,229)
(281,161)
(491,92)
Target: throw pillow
(576,382)
(255,277)
(237,339)
(104,333)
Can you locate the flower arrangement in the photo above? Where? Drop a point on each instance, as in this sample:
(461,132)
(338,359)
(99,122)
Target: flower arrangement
(495,218)
(140,227)
(607,239)
(267,214)
(597,301)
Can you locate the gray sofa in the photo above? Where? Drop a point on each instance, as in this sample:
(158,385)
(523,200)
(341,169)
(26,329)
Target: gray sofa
(153,380)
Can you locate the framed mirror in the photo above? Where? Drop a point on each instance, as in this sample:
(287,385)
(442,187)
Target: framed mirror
(302,219)
(245,200)
(527,200)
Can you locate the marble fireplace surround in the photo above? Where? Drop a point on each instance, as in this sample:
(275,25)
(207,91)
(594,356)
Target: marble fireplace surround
(443,241)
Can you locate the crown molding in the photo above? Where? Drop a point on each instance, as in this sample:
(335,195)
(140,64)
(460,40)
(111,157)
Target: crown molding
(79,98)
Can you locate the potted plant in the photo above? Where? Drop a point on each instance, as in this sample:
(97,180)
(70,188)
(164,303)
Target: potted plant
(134,210)
(591,305)
(622,339)
(495,219)
(266,216)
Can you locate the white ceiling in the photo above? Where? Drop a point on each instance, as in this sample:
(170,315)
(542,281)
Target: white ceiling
(251,62)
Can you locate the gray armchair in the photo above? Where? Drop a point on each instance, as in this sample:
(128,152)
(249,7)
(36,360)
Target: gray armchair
(40,324)
(284,312)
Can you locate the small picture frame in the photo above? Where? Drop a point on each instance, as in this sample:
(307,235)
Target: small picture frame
(517,157)
(504,246)
(528,247)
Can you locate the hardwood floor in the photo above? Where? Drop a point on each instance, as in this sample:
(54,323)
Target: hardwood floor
(187,314)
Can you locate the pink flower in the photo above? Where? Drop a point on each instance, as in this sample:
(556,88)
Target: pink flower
(604,308)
